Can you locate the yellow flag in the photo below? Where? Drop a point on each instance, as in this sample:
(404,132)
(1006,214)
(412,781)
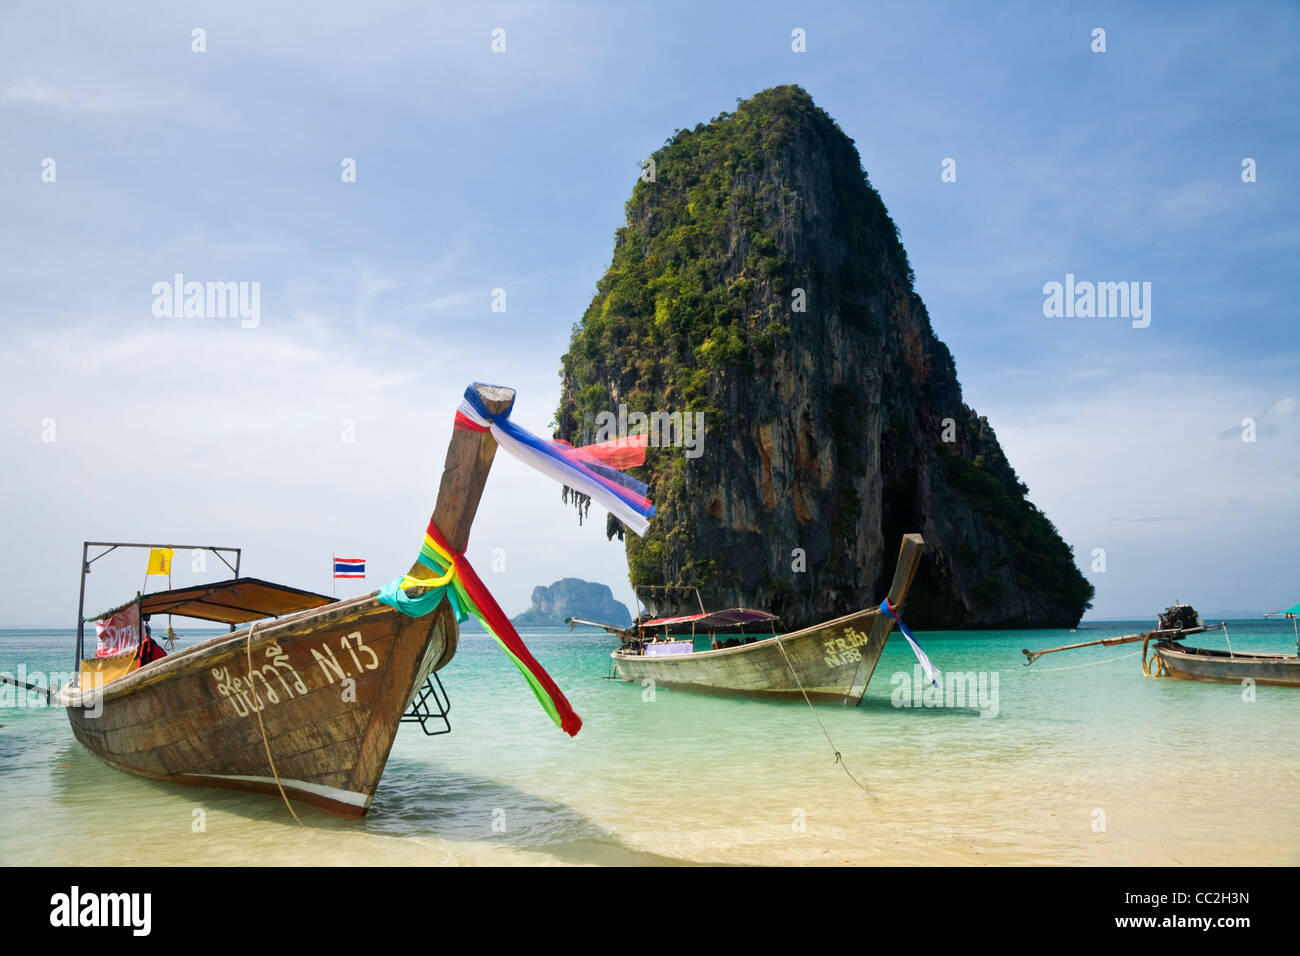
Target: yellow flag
(160,561)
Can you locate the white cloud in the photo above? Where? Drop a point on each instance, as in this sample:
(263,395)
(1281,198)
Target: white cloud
(450,301)
(1141,470)
(196,428)
(36,93)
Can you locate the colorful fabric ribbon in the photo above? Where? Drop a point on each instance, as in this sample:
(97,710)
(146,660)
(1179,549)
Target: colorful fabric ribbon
(581,469)
(457,581)
(626,452)
(592,470)
(888,610)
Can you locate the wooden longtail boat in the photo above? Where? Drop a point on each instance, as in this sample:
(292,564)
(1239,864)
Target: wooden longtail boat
(648,626)
(668,615)
(1227,667)
(1170,658)
(830,661)
(309,702)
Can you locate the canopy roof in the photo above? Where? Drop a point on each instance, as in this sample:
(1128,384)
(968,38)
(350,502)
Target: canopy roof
(237,601)
(729,618)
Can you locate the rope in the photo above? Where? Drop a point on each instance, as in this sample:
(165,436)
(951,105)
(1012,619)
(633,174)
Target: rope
(1071,667)
(838,759)
(248,648)
(1147,670)
(1227,638)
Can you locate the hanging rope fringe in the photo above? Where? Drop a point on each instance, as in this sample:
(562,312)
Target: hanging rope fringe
(582,469)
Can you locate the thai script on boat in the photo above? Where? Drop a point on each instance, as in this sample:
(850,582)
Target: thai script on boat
(843,650)
(355,646)
(243,692)
(208,300)
(662,429)
(957,689)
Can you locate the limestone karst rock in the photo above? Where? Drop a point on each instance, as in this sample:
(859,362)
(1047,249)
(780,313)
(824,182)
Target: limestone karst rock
(760,280)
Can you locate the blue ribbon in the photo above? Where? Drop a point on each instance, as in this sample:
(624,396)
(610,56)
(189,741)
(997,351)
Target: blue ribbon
(887,609)
(393,595)
(524,436)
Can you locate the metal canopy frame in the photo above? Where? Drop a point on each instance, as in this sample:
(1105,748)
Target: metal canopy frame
(1294,617)
(667,587)
(110,547)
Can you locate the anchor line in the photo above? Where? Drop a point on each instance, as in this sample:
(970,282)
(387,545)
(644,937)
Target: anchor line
(1071,667)
(248,648)
(838,758)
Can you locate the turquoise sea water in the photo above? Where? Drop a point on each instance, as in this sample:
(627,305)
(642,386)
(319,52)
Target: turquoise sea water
(1084,761)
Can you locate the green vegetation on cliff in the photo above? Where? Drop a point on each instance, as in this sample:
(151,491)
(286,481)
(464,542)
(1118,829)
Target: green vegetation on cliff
(697,312)
(682,299)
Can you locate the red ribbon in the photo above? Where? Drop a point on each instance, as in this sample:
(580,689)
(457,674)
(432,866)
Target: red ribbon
(496,619)
(467,423)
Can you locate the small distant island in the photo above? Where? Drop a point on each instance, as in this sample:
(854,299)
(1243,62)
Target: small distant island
(573,597)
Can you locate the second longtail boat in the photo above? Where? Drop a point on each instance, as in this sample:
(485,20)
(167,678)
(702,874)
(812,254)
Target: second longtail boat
(829,661)
(1168,656)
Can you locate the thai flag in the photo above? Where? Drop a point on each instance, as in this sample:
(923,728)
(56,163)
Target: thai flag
(349,567)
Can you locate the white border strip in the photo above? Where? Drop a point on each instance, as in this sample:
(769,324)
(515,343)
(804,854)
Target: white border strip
(350,797)
(562,471)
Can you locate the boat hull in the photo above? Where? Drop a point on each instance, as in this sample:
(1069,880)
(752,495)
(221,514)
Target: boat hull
(329,686)
(829,661)
(1195,663)
(832,661)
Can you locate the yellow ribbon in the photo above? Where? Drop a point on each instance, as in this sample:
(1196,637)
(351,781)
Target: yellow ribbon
(430,545)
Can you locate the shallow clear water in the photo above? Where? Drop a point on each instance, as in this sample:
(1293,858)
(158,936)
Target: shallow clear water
(1081,764)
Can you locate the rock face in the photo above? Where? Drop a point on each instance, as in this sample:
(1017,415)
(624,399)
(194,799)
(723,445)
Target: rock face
(760,280)
(573,597)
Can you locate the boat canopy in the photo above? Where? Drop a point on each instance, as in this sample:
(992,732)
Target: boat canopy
(237,601)
(731,617)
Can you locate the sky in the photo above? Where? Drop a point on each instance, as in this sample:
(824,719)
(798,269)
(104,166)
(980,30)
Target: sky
(478,170)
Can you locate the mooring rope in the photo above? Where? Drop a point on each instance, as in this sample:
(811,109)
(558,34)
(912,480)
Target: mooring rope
(838,758)
(248,647)
(1159,670)
(1071,667)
